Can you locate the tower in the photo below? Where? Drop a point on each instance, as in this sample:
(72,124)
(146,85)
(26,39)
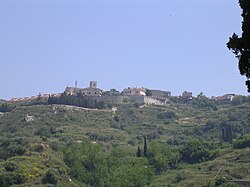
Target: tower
(75,84)
(93,84)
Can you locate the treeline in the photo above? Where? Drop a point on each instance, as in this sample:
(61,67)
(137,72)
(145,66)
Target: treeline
(78,100)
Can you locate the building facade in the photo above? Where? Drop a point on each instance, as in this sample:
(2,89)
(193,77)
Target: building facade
(92,90)
(134,92)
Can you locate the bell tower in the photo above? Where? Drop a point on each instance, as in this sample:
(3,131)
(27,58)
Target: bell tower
(93,84)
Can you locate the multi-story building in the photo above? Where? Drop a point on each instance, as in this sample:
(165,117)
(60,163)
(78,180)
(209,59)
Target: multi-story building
(92,90)
(134,91)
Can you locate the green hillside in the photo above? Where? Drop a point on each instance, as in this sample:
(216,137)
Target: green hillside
(187,144)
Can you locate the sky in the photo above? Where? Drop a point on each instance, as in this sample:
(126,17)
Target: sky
(173,45)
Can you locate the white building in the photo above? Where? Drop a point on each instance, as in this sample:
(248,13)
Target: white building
(92,90)
(134,92)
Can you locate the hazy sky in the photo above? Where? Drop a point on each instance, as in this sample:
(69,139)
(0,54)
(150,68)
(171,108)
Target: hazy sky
(172,45)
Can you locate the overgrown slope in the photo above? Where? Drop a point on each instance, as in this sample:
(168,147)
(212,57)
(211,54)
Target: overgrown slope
(35,140)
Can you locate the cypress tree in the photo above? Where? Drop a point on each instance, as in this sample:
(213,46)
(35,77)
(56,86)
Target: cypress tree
(138,154)
(145,147)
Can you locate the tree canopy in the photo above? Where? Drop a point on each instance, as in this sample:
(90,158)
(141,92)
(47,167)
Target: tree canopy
(240,46)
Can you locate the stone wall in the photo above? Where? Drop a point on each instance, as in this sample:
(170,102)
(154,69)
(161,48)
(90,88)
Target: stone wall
(120,99)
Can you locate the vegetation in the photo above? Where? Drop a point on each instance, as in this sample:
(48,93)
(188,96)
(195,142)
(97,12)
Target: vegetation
(5,107)
(182,144)
(241,45)
(91,166)
(77,100)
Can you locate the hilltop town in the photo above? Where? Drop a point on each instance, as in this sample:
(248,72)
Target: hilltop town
(138,95)
(190,136)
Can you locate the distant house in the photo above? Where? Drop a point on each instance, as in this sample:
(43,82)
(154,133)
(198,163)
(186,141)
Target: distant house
(15,99)
(160,94)
(43,95)
(226,97)
(92,90)
(2,101)
(134,92)
(186,94)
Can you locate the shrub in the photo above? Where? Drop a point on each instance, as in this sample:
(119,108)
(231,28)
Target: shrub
(195,151)
(8,179)
(180,177)
(116,118)
(242,142)
(38,148)
(10,166)
(169,115)
(50,177)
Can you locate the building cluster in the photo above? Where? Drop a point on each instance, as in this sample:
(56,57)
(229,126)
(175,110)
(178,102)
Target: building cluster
(138,94)
(43,96)
(92,90)
(226,97)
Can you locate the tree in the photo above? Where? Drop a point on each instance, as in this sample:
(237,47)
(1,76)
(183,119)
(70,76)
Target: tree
(242,142)
(240,46)
(10,166)
(145,147)
(237,100)
(195,151)
(227,134)
(138,154)
(162,156)
(6,107)
(50,177)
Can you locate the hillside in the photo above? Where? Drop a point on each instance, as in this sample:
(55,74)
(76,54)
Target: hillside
(46,145)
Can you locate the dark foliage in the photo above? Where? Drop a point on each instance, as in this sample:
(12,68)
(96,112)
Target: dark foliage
(145,150)
(77,100)
(10,166)
(202,102)
(138,154)
(240,46)
(226,134)
(51,177)
(169,115)
(5,107)
(242,142)
(195,151)
(11,178)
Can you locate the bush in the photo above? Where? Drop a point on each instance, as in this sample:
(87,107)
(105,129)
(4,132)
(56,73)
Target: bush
(116,118)
(10,166)
(50,177)
(8,179)
(180,177)
(169,115)
(38,148)
(6,107)
(195,151)
(162,156)
(16,150)
(43,132)
(242,142)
